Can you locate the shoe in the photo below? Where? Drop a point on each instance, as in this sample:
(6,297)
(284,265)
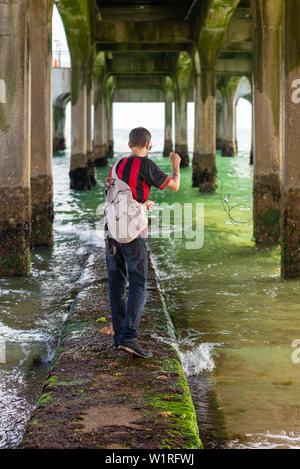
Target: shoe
(135,349)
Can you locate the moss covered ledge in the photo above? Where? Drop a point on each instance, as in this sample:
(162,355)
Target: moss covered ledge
(99,397)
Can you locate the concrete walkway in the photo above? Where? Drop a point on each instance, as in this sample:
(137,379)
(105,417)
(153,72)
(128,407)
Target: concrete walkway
(99,397)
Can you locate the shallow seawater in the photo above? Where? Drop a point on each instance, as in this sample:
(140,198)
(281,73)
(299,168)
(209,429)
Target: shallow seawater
(235,318)
(33,309)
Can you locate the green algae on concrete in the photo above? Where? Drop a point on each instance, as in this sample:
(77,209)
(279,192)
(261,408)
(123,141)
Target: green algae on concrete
(182,80)
(99,397)
(266,209)
(76,19)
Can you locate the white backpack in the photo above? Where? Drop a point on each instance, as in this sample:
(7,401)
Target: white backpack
(125,217)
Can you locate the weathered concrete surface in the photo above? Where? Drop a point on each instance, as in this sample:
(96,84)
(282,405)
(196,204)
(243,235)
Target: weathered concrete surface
(228,90)
(169,98)
(100,131)
(42,210)
(59,122)
(204,159)
(79,171)
(99,397)
(290,221)
(182,80)
(89,138)
(41,125)
(15,207)
(267,19)
(110,90)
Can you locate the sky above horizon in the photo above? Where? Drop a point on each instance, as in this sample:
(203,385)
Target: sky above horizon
(149,115)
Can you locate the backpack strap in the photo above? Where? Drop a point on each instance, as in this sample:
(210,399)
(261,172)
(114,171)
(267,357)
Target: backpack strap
(114,174)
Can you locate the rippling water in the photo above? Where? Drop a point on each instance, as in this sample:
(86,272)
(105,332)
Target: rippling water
(235,319)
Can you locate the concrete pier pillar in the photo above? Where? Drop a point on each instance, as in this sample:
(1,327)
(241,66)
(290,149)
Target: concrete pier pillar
(252,138)
(79,172)
(204,160)
(290,220)
(59,126)
(15,207)
(100,131)
(89,136)
(169,98)
(267,19)
(181,146)
(110,140)
(219,126)
(168,145)
(41,123)
(229,145)
(197,124)
(109,95)
(181,82)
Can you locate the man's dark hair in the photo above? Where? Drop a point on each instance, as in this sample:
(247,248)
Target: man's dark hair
(138,137)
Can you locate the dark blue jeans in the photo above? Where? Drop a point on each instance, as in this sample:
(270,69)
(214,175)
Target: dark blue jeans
(129,262)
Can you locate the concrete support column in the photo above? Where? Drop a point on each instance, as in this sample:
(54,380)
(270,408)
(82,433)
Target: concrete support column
(252,138)
(204,161)
(267,18)
(41,123)
(181,146)
(110,143)
(15,207)
(197,124)
(229,145)
(100,130)
(290,220)
(89,137)
(59,126)
(79,173)
(168,145)
(219,126)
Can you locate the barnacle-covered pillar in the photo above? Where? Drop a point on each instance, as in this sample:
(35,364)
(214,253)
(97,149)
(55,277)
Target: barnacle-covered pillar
(41,123)
(267,20)
(15,206)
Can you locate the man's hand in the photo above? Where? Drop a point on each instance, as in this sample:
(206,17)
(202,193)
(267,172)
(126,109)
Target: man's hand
(148,204)
(174,158)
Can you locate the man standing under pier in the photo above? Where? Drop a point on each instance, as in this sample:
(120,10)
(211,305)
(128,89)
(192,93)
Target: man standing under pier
(131,259)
